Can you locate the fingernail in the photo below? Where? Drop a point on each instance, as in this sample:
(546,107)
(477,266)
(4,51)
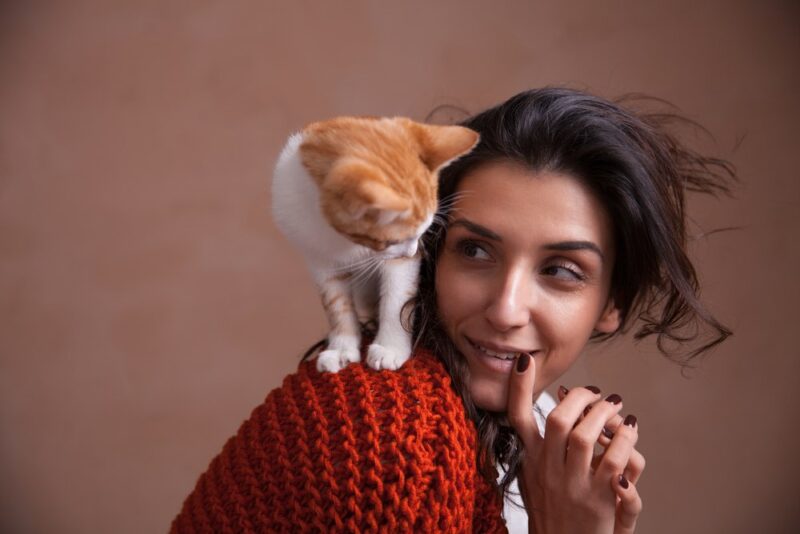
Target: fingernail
(522,362)
(593,389)
(614,398)
(623,481)
(630,420)
(607,433)
(562,391)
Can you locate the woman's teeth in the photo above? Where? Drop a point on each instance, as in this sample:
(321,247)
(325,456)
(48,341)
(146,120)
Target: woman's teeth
(498,355)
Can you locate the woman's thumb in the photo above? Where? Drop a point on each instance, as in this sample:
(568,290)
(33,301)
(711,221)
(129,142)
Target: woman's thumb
(520,400)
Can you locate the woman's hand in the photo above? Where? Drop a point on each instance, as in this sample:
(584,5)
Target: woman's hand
(564,486)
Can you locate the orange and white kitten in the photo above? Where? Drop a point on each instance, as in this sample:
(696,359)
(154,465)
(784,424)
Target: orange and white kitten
(354,195)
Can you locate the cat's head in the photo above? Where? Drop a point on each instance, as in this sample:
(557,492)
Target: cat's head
(378,177)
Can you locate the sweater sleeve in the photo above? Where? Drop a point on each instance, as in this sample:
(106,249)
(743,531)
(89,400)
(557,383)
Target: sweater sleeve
(354,451)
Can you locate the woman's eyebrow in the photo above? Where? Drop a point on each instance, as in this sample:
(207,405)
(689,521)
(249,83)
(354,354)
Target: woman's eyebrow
(476,228)
(576,245)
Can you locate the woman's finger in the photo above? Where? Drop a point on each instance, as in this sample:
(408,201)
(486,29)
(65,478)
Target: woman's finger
(563,418)
(584,436)
(635,467)
(618,453)
(562,391)
(636,462)
(520,401)
(609,428)
(629,506)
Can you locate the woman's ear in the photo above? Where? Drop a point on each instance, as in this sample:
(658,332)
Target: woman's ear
(609,320)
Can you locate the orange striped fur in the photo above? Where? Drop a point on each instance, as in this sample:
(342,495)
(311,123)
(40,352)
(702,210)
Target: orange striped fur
(368,166)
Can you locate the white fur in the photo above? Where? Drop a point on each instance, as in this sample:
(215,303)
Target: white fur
(390,281)
(297,212)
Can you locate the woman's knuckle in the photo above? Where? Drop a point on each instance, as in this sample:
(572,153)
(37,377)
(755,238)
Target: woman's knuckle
(613,464)
(636,504)
(516,419)
(629,433)
(580,441)
(624,438)
(558,424)
(626,432)
(641,463)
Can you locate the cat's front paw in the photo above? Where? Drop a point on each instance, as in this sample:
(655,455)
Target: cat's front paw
(381,357)
(333,360)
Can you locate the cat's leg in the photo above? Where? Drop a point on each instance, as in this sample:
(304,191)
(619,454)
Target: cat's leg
(344,338)
(366,296)
(392,345)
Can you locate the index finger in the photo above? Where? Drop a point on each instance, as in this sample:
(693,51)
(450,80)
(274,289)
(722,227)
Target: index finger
(520,401)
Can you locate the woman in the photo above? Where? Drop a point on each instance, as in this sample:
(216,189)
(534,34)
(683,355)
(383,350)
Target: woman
(565,225)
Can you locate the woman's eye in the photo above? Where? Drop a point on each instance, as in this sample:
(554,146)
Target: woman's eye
(472,250)
(565,272)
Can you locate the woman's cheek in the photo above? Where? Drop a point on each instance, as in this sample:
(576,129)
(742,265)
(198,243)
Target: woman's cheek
(459,304)
(451,284)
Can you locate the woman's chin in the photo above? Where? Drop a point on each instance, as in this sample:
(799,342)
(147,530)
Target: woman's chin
(489,395)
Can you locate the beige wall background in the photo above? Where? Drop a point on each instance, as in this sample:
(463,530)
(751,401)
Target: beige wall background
(147,303)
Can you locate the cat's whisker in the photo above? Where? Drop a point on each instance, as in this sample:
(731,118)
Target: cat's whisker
(446,207)
(454,195)
(354,265)
(462,194)
(367,265)
(450,200)
(374,270)
(439,224)
(363,270)
(366,273)
(423,249)
(439,220)
(357,276)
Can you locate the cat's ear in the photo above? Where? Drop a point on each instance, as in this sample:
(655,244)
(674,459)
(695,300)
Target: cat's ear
(360,191)
(439,145)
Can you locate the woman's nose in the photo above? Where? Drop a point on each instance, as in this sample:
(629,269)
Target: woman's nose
(510,305)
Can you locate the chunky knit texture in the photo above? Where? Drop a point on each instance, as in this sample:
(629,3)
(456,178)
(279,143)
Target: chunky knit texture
(356,451)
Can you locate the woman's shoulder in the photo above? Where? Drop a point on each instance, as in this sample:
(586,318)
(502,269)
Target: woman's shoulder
(357,387)
(413,405)
(347,451)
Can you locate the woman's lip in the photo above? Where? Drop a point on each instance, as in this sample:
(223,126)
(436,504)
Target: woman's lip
(498,348)
(490,363)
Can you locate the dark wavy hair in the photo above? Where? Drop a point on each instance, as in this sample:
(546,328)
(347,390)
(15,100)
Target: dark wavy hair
(640,172)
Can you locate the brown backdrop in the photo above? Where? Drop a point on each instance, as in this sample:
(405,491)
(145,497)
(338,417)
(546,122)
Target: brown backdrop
(147,302)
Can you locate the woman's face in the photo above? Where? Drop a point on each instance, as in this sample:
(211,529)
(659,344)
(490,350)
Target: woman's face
(526,267)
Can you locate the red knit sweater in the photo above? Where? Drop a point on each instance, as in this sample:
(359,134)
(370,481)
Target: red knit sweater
(355,451)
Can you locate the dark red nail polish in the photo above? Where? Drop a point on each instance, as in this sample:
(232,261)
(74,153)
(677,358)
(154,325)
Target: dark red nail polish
(623,481)
(607,433)
(522,362)
(630,420)
(614,398)
(563,391)
(593,389)
(587,410)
